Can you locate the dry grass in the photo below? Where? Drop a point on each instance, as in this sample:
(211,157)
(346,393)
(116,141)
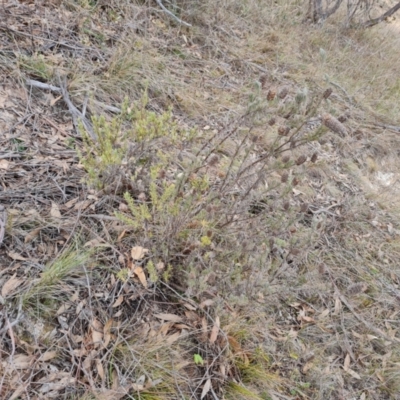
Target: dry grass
(234,235)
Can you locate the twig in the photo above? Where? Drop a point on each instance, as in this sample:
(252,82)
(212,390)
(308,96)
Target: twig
(42,85)
(173,16)
(3,222)
(56,89)
(390,127)
(77,116)
(9,155)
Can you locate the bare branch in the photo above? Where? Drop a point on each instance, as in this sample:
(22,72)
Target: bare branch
(333,9)
(387,14)
(173,16)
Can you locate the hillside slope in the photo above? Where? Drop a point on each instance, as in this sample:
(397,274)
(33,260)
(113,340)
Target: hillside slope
(197,203)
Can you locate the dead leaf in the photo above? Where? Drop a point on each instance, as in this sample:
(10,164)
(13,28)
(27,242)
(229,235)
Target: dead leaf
(70,203)
(138,271)
(48,355)
(10,285)
(189,306)
(55,210)
(123,207)
(338,306)
(307,366)
(63,308)
(89,359)
(93,243)
(206,388)
(31,235)
(121,235)
(206,303)
(16,256)
(182,326)
(353,373)
(107,332)
(137,387)
(169,317)
(138,252)
(21,389)
(21,361)
(214,331)
(173,338)
(160,266)
(118,302)
(115,380)
(4,164)
(82,205)
(54,100)
(97,332)
(234,344)
(324,314)
(204,327)
(56,382)
(100,369)
(346,364)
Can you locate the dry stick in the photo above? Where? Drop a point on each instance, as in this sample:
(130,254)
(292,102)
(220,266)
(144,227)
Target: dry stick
(56,89)
(75,113)
(77,116)
(390,127)
(387,14)
(9,155)
(3,222)
(173,16)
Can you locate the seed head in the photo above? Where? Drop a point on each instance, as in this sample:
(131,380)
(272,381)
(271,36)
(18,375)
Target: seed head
(284,177)
(272,121)
(263,81)
(283,130)
(213,160)
(271,94)
(314,157)
(285,159)
(295,182)
(334,125)
(357,288)
(286,205)
(283,93)
(304,208)
(301,160)
(327,93)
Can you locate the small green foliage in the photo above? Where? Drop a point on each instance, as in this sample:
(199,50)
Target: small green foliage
(198,359)
(113,150)
(205,241)
(151,270)
(167,273)
(123,274)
